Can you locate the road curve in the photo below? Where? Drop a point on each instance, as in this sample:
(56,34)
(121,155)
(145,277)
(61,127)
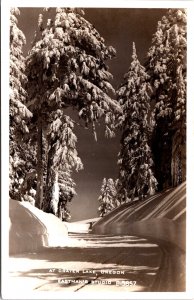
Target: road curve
(99,260)
(103,263)
(171,273)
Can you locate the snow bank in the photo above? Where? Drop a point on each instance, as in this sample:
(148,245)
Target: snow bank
(31,229)
(161,216)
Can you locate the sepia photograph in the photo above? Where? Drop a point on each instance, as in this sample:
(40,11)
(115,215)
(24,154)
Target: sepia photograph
(97,161)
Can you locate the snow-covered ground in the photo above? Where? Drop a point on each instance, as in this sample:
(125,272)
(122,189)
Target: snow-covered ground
(77,227)
(81,226)
(133,244)
(160,216)
(31,228)
(89,263)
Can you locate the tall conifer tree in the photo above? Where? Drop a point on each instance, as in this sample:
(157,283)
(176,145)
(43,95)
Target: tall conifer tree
(167,68)
(136,178)
(19,114)
(67,67)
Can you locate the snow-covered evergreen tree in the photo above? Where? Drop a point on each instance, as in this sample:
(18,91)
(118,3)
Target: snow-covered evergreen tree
(66,194)
(167,68)
(67,67)
(136,177)
(62,155)
(107,197)
(19,114)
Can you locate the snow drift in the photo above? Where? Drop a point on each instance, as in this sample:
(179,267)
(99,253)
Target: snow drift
(31,229)
(161,216)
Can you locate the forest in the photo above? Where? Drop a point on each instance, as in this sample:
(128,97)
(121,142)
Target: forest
(67,67)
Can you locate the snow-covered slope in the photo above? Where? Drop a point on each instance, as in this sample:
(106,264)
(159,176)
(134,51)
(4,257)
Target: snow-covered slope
(31,228)
(160,216)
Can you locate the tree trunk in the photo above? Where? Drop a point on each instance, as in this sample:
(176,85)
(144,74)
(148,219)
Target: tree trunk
(52,193)
(162,155)
(183,161)
(178,165)
(40,182)
(52,186)
(55,194)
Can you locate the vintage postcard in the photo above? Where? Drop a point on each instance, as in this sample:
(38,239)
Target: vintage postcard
(97,142)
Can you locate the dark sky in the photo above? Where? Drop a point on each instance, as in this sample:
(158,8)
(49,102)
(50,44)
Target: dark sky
(120,27)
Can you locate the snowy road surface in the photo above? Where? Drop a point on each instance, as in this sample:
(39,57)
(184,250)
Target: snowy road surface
(95,263)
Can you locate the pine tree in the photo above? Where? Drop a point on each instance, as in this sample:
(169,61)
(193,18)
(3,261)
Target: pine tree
(167,68)
(107,197)
(136,178)
(66,67)
(19,114)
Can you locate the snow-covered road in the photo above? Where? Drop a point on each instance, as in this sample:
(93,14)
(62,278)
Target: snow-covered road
(91,263)
(126,252)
